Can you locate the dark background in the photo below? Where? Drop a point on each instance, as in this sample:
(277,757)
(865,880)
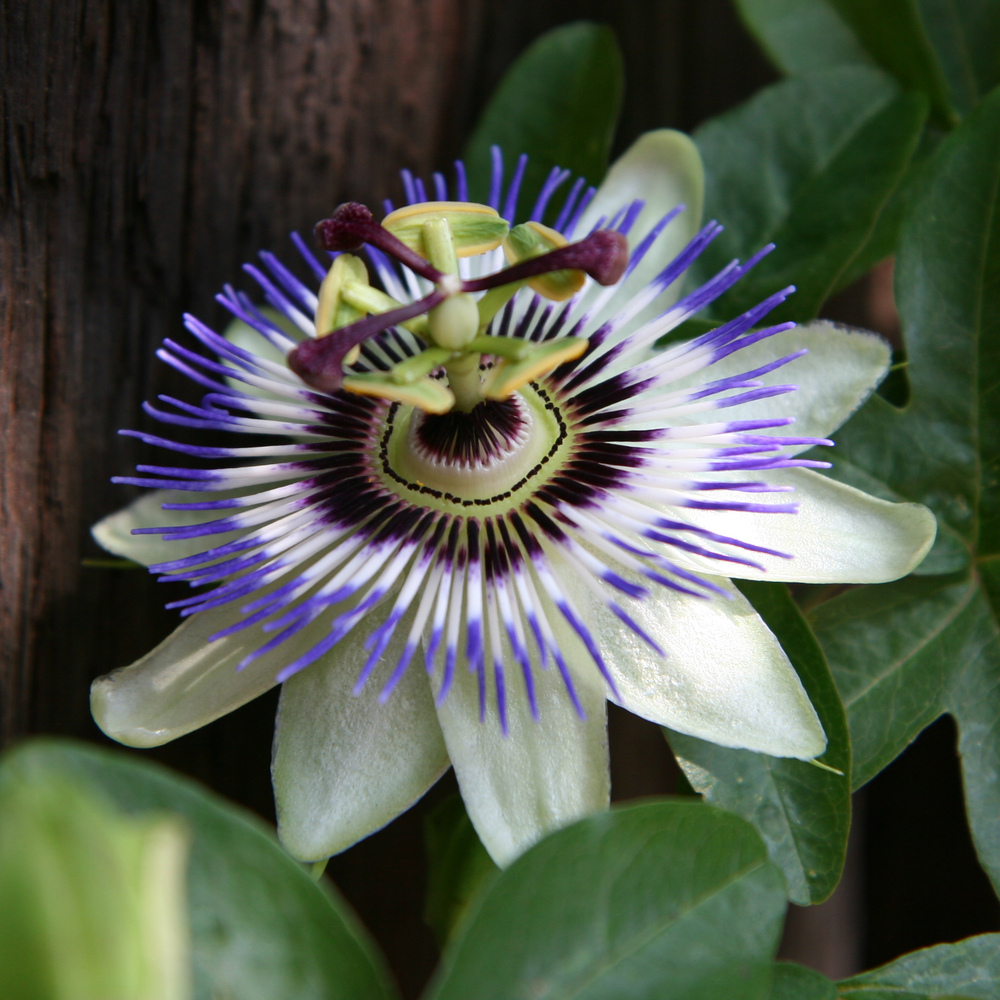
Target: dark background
(147,149)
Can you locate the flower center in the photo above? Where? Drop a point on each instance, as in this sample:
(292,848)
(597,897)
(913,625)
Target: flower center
(490,434)
(452,323)
(482,457)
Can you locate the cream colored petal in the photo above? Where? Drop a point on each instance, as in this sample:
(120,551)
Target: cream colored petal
(664,169)
(544,774)
(114,532)
(841,370)
(345,765)
(187,681)
(839,535)
(723,676)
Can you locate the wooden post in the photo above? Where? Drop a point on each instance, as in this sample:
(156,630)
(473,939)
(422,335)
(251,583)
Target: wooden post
(148,150)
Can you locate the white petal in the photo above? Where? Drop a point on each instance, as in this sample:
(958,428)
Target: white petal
(664,169)
(544,774)
(839,535)
(724,677)
(187,681)
(841,370)
(344,765)
(114,532)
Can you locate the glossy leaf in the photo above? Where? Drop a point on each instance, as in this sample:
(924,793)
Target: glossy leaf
(795,982)
(967,970)
(802,812)
(904,653)
(558,103)
(802,36)
(260,927)
(810,164)
(966,36)
(894,34)
(664,899)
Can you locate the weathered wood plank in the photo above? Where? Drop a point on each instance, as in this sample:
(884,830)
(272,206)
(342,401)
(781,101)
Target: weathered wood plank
(148,150)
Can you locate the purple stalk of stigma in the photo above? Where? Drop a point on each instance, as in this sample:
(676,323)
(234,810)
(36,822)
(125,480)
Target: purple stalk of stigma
(603,255)
(352,225)
(320,362)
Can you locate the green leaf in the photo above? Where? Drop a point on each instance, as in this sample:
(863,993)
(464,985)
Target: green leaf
(664,899)
(894,34)
(968,970)
(810,164)
(943,448)
(927,43)
(558,103)
(904,653)
(802,36)
(260,927)
(966,37)
(802,812)
(459,867)
(795,982)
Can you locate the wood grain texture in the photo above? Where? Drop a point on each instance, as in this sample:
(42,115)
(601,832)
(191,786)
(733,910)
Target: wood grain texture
(149,148)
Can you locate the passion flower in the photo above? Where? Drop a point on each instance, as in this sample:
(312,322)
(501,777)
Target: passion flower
(488,503)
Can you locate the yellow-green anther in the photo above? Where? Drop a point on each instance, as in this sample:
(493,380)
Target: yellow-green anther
(454,323)
(330,314)
(508,376)
(408,371)
(532,239)
(511,348)
(425,393)
(475,229)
